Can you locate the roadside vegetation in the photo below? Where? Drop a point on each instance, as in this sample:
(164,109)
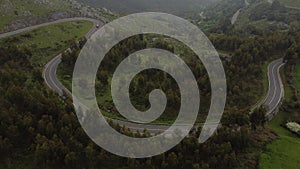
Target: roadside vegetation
(49,41)
(283,152)
(22,59)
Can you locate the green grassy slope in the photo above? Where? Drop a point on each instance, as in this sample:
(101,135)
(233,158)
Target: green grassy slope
(17,9)
(284,152)
(48,41)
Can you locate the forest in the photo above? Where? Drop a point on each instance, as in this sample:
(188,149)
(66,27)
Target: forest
(41,127)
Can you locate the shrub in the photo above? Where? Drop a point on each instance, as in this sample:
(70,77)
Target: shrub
(294,127)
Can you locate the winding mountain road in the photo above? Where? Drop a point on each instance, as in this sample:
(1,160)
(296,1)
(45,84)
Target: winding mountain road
(50,76)
(272,99)
(276,89)
(49,73)
(53,83)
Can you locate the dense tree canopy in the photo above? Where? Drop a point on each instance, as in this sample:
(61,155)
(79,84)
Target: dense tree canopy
(35,120)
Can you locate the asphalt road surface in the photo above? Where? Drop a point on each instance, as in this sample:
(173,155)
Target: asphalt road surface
(276,89)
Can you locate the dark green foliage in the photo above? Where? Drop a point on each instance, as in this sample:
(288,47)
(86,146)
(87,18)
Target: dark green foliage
(254,17)
(145,81)
(257,117)
(244,68)
(293,52)
(218,15)
(36,123)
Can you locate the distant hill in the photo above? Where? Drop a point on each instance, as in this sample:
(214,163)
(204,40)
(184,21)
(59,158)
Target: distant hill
(270,15)
(291,3)
(253,16)
(132,6)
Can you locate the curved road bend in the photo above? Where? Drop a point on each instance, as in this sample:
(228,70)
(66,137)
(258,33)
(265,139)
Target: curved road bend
(276,89)
(53,83)
(272,99)
(49,73)
(50,78)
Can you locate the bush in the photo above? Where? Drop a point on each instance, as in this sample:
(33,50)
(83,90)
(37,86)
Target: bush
(294,127)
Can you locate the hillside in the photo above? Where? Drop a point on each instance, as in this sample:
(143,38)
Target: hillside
(291,3)
(217,13)
(252,16)
(16,14)
(11,10)
(132,6)
(263,15)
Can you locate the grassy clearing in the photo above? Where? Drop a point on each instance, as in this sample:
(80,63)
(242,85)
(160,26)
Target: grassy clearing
(282,153)
(4,21)
(49,41)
